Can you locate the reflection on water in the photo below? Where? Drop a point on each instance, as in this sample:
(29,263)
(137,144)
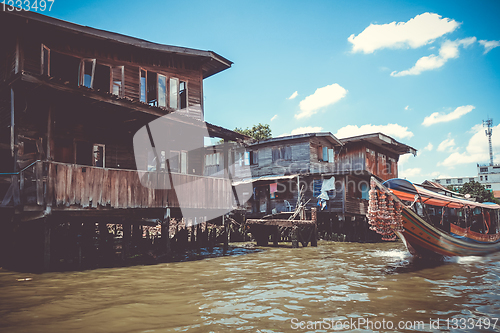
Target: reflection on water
(255,291)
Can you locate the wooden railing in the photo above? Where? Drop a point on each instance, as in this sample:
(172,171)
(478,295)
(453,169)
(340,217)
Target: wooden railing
(84,186)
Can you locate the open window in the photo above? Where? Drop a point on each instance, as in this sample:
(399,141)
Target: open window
(184,165)
(143,85)
(102,77)
(83,153)
(98,155)
(152,95)
(117,80)
(174,92)
(45,65)
(64,67)
(254,157)
(183,95)
(87,70)
(162,91)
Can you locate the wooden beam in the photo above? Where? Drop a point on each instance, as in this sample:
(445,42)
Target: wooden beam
(280,222)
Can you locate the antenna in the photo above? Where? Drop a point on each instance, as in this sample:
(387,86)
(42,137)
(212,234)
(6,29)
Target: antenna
(489,123)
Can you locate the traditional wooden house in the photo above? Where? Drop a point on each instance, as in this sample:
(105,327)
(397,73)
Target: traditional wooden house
(324,171)
(71,99)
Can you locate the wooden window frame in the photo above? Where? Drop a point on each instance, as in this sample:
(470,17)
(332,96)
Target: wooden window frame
(170,92)
(81,74)
(112,81)
(146,85)
(43,61)
(179,95)
(103,154)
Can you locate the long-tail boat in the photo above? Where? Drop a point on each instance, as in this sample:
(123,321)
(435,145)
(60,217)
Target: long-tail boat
(431,224)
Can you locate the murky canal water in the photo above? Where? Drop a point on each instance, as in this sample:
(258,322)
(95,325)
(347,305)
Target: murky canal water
(275,290)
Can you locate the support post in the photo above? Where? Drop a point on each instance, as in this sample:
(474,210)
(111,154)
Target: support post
(46,244)
(165,233)
(276,235)
(226,234)
(314,236)
(295,237)
(126,241)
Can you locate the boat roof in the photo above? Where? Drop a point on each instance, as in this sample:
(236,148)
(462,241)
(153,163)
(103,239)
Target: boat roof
(406,190)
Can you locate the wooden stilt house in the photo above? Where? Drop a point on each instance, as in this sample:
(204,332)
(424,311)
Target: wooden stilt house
(71,99)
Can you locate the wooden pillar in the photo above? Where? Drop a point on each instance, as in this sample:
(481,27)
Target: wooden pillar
(199,238)
(165,232)
(210,237)
(50,139)
(46,244)
(295,236)
(226,234)
(276,235)
(126,241)
(314,236)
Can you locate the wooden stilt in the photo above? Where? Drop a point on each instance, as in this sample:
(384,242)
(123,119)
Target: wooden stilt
(314,236)
(295,237)
(276,235)
(166,232)
(46,244)
(226,234)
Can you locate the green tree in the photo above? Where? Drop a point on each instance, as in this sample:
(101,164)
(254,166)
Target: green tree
(258,132)
(478,191)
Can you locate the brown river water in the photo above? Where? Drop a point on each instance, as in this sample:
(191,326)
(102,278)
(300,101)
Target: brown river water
(333,287)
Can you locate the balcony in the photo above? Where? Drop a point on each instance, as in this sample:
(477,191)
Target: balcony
(77,186)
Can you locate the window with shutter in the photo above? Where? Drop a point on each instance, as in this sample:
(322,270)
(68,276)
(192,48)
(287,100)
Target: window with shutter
(87,68)
(117,81)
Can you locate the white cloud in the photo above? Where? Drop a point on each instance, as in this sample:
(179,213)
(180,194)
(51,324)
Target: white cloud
(403,159)
(407,107)
(303,130)
(295,94)
(489,45)
(410,173)
(448,50)
(394,130)
(307,129)
(322,97)
(429,147)
(437,117)
(418,31)
(477,150)
(448,143)
(274,117)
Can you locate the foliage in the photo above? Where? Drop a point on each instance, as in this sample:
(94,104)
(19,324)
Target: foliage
(478,191)
(258,132)
(453,188)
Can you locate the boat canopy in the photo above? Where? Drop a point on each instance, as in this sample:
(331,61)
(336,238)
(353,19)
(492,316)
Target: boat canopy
(406,190)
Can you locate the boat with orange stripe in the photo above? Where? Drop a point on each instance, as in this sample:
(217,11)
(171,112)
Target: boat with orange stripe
(431,224)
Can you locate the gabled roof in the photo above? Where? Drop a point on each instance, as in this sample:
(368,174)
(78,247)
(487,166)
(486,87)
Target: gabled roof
(280,139)
(212,62)
(383,141)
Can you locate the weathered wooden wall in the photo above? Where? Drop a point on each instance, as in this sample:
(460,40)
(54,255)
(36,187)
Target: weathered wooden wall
(83,186)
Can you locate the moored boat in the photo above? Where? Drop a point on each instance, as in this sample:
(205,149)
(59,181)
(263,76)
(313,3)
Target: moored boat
(432,224)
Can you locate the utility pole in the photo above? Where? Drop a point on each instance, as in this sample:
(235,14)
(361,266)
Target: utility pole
(489,123)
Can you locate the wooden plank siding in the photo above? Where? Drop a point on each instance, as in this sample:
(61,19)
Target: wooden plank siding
(91,187)
(184,69)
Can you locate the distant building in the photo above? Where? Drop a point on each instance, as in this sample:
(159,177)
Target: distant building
(487,175)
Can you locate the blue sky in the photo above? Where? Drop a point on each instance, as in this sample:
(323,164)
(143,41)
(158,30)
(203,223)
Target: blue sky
(424,72)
